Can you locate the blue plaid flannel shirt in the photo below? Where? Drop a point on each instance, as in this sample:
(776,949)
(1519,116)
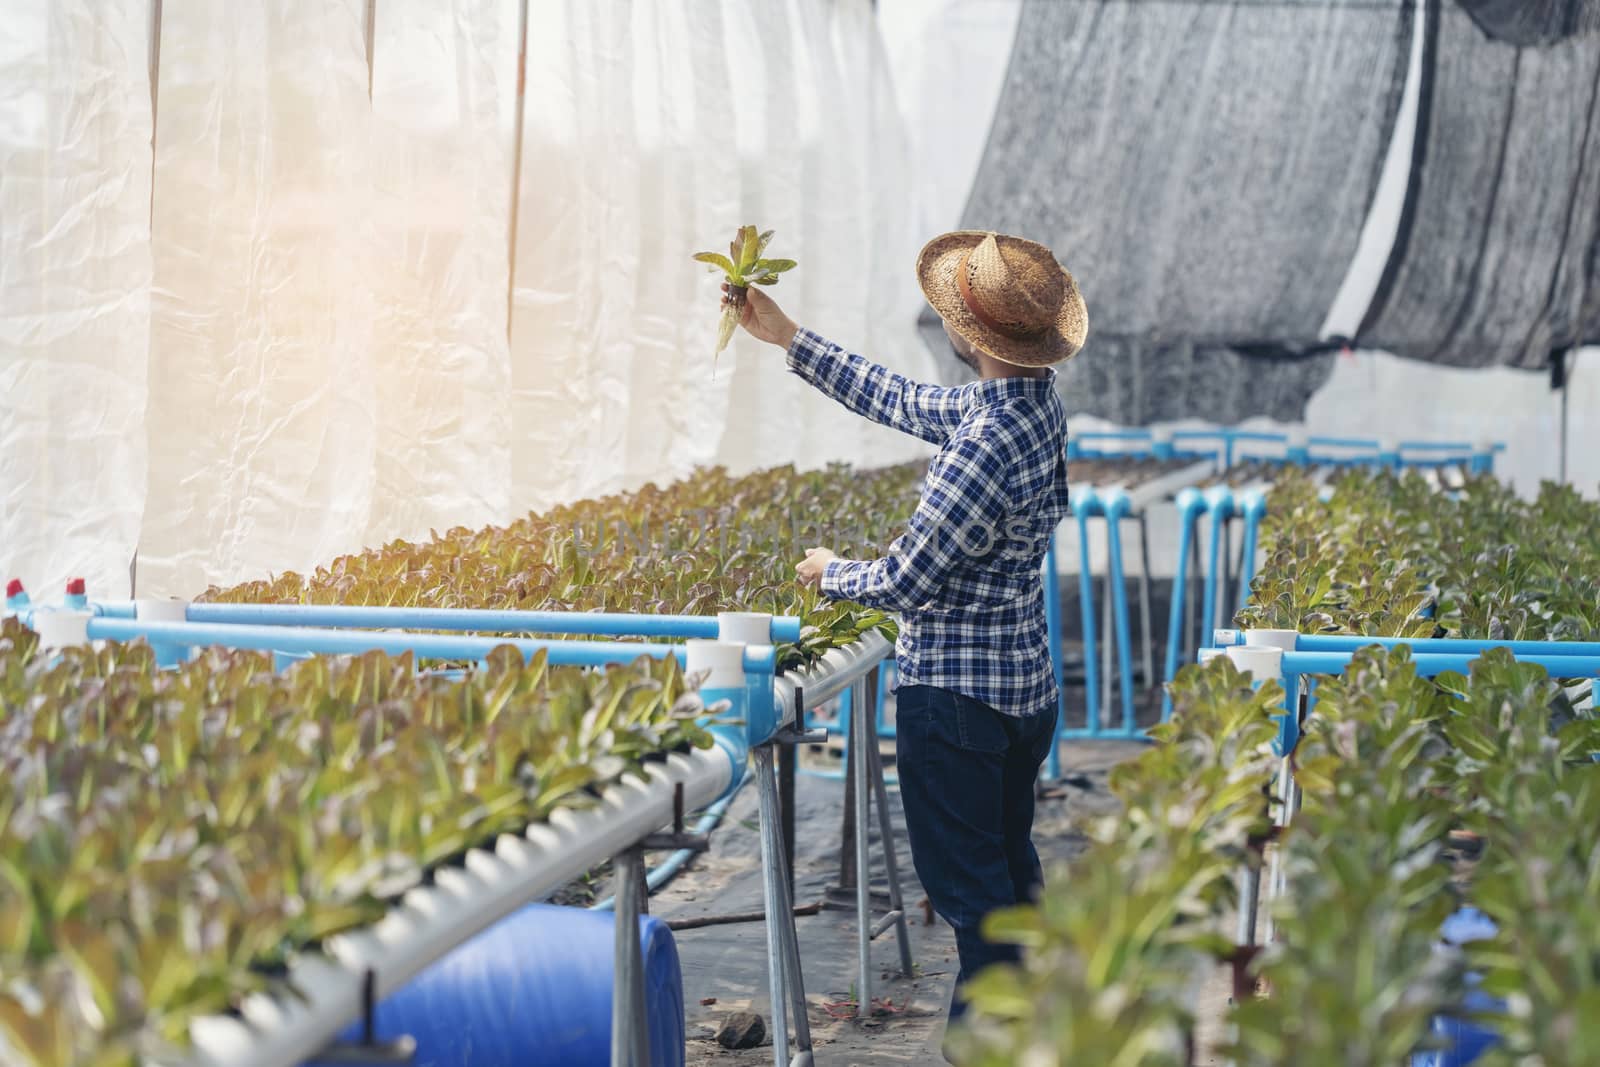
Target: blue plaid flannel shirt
(965,576)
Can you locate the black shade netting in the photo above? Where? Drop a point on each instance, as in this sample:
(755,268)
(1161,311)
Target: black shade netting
(1531,22)
(1495,262)
(1204,169)
(1178,381)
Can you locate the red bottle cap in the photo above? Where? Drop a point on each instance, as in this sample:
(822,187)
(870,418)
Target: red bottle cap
(75,587)
(13,587)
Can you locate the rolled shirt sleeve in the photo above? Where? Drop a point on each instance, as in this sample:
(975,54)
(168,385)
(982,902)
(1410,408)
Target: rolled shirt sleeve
(931,412)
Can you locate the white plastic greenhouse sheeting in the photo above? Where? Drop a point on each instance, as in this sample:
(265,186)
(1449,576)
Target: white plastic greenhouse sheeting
(306,327)
(74,284)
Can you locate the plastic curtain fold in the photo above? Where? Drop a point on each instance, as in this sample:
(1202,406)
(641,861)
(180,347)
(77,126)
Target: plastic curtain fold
(1497,260)
(345,341)
(263,419)
(74,288)
(438,257)
(827,169)
(770,161)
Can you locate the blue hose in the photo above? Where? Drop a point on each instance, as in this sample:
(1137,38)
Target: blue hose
(668,870)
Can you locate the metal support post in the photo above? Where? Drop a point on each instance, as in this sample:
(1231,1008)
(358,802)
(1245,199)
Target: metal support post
(787,759)
(861,738)
(774,896)
(891,863)
(1275,872)
(848,875)
(1249,891)
(630,1043)
(1285,792)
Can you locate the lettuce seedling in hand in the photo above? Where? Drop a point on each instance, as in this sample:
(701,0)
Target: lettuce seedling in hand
(742,267)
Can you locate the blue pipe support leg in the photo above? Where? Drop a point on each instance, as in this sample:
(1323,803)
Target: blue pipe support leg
(1082,506)
(1189,505)
(1289,721)
(881,698)
(1116,505)
(1254,506)
(1219,505)
(1052,627)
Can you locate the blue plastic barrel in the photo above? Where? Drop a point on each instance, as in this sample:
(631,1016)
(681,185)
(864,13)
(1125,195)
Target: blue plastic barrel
(1463,1040)
(534,990)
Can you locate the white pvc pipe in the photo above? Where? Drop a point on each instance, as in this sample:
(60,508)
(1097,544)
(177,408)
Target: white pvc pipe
(1279,639)
(431,920)
(744,627)
(59,629)
(1261,664)
(721,663)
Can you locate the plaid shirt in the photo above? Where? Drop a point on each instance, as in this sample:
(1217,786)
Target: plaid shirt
(964,577)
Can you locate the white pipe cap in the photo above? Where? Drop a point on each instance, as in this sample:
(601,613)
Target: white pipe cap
(1260,663)
(62,629)
(721,662)
(1283,639)
(744,627)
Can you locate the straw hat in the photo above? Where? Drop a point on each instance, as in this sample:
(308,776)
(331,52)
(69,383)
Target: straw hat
(1006,295)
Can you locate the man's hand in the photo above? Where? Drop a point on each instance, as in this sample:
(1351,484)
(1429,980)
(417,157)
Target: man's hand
(809,570)
(763,319)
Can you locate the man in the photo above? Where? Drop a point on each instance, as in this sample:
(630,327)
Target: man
(976,700)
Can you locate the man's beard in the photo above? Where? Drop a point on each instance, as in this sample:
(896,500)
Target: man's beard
(970,361)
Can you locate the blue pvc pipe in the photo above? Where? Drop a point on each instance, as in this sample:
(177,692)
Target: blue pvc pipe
(1254,505)
(1289,721)
(1432,645)
(1052,627)
(881,698)
(784,627)
(760,658)
(1429,664)
(1349,643)
(1189,504)
(1082,505)
(1112,435)
(1219,503)
(1343,442)
(1117,504)
(669,868)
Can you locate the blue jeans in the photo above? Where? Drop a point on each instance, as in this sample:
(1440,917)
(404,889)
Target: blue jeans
(967,777)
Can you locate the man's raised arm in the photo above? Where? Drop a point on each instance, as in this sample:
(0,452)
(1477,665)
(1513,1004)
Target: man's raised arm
(931,412)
